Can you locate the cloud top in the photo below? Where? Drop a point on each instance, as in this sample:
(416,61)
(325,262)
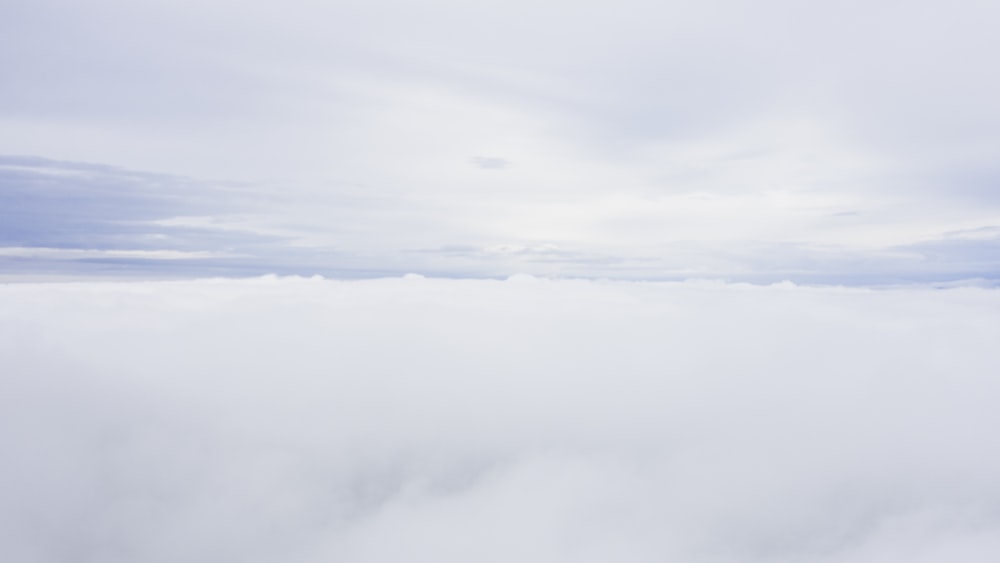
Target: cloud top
(530,419)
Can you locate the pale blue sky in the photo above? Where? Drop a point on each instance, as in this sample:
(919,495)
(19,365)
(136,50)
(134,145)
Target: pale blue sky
(845,143)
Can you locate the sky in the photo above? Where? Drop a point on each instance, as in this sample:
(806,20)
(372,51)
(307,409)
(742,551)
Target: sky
(311,420)
(844,143)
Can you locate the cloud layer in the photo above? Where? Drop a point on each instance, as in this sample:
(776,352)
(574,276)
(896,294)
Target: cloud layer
(309,420)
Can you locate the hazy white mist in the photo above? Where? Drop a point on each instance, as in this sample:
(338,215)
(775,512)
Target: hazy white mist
(413,419)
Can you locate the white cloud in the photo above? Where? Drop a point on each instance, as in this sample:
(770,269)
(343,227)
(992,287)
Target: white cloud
(85,253)
(455,420)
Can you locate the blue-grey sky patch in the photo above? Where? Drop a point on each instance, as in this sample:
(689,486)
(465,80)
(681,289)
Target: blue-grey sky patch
(63,218)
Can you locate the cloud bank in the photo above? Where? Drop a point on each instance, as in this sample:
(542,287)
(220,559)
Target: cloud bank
(308,420)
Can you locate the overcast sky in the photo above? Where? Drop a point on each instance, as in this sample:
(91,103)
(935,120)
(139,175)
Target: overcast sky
(841,142)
